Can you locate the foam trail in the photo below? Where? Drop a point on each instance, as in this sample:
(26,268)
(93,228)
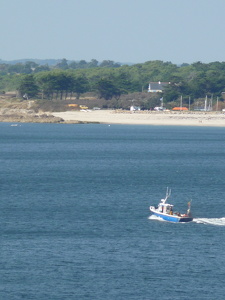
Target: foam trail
(207,221)
(211,221)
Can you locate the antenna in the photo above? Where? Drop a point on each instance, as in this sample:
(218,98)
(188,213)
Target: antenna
(168,193)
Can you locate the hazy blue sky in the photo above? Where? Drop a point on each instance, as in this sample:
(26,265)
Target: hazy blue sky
(119,30)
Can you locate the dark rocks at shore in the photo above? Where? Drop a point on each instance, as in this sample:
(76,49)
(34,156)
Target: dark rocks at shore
(30,119)
(27,116)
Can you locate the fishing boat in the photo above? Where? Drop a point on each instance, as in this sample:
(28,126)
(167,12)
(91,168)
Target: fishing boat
(166,212)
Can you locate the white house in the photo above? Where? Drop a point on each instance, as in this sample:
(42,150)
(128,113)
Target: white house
(157,87)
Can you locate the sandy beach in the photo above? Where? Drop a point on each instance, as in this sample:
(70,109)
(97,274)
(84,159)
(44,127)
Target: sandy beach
(144,117)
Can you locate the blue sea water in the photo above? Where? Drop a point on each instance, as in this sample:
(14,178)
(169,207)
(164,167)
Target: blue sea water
(75,219)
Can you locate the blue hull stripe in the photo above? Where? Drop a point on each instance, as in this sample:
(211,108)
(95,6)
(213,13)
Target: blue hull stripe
(172,218)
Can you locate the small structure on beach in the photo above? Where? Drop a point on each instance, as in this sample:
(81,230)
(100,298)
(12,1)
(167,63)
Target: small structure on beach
(134,108)
(179,108)
(158,108)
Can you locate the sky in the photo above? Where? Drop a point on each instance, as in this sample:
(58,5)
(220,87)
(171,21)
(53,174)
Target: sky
(125,31)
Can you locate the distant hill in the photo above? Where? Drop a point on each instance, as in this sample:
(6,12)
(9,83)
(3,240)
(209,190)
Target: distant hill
(50,62)
(42,62)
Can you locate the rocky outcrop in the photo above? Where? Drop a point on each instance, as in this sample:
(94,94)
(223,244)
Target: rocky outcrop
(27,116)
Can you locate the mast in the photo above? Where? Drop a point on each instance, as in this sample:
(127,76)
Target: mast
(189,209)
(211,103)
(206,102)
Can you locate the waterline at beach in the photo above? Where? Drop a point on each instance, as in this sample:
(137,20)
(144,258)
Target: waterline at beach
(145,117)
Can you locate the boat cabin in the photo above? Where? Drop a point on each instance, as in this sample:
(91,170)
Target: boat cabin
(165,208)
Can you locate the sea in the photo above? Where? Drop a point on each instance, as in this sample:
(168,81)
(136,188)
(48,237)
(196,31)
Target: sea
(75,220)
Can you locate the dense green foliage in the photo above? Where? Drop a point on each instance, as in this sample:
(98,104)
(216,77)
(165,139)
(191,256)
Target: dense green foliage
(28,87)
(58,83)
(111,80)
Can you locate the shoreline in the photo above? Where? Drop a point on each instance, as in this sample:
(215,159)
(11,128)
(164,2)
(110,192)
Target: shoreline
(214,119)
(166,118)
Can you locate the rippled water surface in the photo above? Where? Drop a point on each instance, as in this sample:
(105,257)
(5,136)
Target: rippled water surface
(75,219)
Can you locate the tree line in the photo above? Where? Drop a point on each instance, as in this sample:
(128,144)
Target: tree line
(30,67)
(63,84)
(189,80)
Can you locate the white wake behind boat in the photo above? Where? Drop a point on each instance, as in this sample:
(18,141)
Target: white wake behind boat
(165,211)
